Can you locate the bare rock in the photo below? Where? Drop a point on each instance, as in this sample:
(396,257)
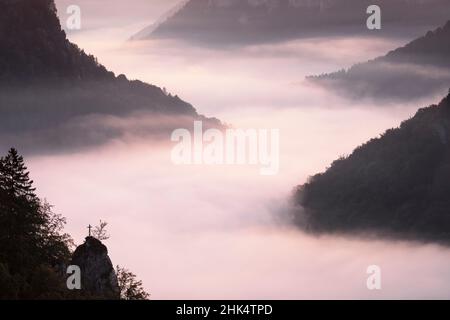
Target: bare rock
(97,272)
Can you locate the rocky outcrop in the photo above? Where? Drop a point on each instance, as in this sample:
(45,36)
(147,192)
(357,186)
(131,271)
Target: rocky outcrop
(98,277)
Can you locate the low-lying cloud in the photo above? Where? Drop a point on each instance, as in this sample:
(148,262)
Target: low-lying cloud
(386,82)
(214,231)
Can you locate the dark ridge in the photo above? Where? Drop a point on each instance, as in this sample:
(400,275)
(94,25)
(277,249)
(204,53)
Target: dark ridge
(35,47)
(237,22)
(396,185)
(98,277)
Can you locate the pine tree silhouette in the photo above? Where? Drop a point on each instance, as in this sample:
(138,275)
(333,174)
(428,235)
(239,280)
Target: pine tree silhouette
(14,177)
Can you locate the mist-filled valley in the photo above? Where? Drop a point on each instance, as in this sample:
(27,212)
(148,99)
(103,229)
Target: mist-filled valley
(224,231)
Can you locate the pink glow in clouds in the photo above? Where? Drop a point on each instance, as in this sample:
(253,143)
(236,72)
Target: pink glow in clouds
(211,232)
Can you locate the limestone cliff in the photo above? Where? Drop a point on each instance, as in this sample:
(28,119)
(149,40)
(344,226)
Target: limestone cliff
(98,277)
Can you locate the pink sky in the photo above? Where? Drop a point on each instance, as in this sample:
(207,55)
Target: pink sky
(215,232)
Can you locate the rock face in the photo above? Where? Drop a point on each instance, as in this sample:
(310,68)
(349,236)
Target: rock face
(97,273)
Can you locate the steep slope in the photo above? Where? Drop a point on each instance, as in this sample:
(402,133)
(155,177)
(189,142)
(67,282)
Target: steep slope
(418,69)
(98,277)
(395,185)
(222,22)
(35,47)
(53,95)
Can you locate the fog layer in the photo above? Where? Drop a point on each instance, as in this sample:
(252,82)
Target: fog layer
(218,231)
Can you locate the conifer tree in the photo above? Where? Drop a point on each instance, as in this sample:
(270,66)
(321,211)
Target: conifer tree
(14,177)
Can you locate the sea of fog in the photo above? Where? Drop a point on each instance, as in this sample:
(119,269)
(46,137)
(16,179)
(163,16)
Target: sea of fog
(218,232)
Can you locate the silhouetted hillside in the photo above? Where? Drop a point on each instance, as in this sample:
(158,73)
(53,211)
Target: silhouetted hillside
(231,22)
(35,47)
(396,185)
(35,252)
(420,68)
(54,96)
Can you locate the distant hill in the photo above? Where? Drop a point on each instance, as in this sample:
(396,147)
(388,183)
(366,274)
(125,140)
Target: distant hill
(396,185)
(419,69)
(237,22)
(52,93)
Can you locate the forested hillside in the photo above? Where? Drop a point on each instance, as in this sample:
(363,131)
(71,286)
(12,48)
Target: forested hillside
(396,185)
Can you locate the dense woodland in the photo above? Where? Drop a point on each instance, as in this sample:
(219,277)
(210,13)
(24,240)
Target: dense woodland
(46,83)
(235,22)
(397,184)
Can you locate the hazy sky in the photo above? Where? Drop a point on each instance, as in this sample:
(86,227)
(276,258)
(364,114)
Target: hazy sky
(215,232)
(107,14)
